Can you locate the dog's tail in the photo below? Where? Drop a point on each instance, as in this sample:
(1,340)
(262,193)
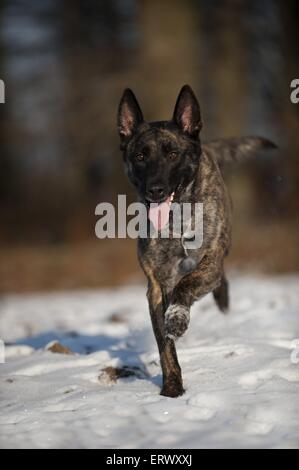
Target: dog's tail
(236,149)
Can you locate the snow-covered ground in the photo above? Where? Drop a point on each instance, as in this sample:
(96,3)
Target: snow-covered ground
(242,389)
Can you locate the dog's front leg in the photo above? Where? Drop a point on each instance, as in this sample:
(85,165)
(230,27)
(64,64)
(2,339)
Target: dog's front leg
(172,377)
(206,278)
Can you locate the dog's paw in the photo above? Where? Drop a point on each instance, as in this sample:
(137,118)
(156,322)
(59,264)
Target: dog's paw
(177,318)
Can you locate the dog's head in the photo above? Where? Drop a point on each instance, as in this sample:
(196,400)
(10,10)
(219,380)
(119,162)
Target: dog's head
(161,157)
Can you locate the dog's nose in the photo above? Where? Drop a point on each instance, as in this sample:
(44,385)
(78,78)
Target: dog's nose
(156,192)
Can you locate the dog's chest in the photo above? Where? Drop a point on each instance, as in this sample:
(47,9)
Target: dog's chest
(164,256)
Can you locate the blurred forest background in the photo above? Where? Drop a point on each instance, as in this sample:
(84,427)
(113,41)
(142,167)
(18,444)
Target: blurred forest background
(65,64)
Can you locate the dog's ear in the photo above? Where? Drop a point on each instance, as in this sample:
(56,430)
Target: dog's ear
(187,112)
(129,115)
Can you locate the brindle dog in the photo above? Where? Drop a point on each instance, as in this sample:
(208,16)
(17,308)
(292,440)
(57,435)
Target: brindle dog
(164,159)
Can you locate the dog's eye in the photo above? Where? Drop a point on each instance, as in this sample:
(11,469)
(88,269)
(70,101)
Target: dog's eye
(139,157)
(173,156)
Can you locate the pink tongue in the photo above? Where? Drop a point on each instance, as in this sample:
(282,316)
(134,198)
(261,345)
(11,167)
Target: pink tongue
(159,214)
